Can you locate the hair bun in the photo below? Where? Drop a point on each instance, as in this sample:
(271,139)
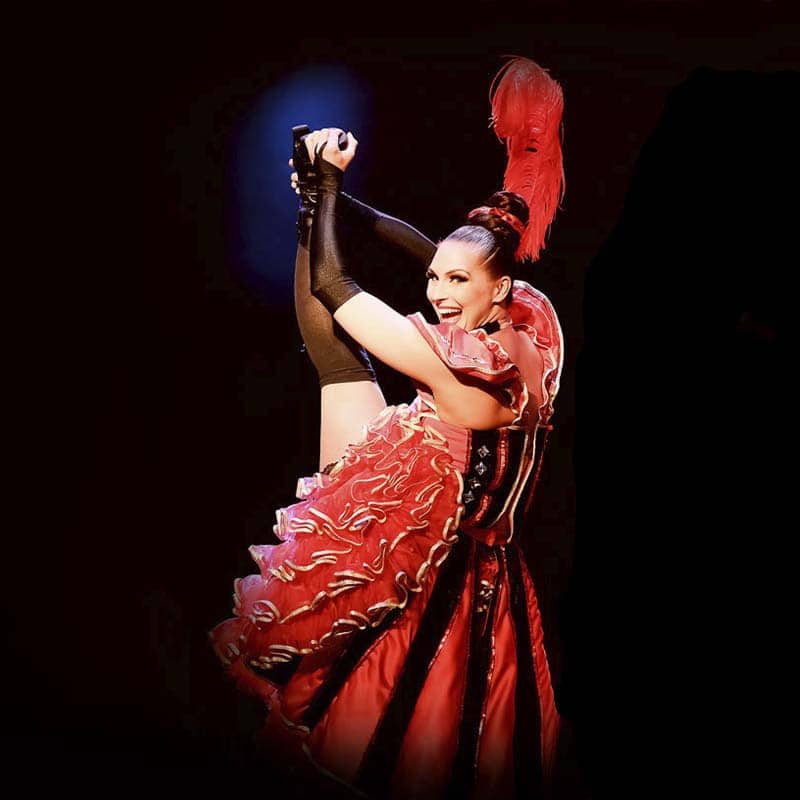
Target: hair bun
(515,222)
(505,215)
(511,203)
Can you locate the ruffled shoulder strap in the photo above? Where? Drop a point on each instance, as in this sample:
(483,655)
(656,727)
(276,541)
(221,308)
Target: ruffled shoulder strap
(474,354)
(533,311)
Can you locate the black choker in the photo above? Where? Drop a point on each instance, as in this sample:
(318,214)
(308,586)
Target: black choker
(491,327)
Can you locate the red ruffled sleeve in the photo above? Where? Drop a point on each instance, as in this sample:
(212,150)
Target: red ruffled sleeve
(476,354)
(533,311)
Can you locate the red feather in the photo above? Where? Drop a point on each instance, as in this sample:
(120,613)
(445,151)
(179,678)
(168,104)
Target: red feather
(527,106)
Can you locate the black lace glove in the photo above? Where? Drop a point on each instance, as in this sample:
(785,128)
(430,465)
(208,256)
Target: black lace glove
(330,283)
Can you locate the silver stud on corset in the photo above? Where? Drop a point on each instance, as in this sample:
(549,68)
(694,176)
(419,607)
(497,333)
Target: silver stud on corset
(475,483)
(480,468)
(483,451)
(468,497)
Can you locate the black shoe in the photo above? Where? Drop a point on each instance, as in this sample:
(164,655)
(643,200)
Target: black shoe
(306,174)
(306,183)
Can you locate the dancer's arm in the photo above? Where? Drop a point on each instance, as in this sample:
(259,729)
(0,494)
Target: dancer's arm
(375,325)
(388,229)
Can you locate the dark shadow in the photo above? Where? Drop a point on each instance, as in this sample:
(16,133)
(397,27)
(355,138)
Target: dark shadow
(676,616)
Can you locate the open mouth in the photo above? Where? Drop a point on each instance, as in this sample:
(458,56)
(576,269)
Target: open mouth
(448,314)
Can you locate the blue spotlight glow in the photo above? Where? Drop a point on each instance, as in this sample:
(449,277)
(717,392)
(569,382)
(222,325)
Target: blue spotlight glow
(261,206)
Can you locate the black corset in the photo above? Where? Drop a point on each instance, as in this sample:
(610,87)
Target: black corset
(492,476)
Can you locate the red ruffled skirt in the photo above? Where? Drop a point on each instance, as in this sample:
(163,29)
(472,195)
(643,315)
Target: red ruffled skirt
(416,651)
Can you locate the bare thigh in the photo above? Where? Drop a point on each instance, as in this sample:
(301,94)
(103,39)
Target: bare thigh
(345,409)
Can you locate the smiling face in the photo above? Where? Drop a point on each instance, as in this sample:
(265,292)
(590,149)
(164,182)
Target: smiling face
(461,288)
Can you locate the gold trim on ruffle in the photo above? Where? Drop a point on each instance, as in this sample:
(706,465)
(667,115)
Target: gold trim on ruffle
(349,528)
(286,571)
(440,339)
(518,400)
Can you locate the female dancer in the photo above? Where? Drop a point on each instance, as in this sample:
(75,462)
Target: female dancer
(394,632)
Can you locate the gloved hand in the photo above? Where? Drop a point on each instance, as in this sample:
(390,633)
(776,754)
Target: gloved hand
(330,283)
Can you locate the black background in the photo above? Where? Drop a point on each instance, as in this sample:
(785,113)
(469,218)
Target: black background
(176,411)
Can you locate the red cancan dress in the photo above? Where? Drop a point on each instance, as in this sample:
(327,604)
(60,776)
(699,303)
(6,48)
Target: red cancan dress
(394,632)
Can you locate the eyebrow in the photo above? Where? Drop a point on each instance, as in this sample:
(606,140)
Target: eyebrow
(450,271)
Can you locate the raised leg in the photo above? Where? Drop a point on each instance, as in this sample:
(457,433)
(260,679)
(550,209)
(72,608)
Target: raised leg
(346,408)
(350,394)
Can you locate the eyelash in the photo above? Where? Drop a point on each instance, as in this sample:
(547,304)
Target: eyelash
(459,278)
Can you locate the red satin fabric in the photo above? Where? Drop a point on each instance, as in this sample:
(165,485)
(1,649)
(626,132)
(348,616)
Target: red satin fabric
(337,743)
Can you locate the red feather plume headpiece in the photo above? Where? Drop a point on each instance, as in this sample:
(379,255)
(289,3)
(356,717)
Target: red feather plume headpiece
(527,105)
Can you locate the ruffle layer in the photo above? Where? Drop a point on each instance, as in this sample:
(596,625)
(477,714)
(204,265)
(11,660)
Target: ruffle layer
(531,309)
(362,542)
(476,354)
(472,353)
